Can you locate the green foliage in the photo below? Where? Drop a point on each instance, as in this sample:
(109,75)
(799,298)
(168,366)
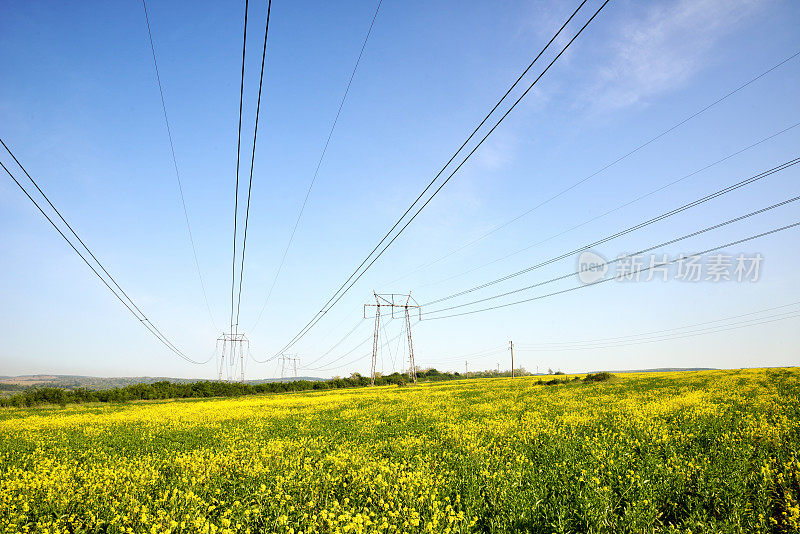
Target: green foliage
(598,377)
(202,389)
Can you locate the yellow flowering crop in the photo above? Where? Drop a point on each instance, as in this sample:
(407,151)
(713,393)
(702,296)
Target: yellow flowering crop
(700,452)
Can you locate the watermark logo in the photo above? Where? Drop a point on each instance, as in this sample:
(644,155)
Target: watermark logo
(718,267)
(592,267)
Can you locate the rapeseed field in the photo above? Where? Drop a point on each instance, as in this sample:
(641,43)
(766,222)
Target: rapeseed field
(715,451)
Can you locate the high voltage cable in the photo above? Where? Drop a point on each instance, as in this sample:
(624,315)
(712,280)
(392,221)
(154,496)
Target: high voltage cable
(130,304)
(478,354)
(471,357)
(682,335)
(627,256)
(351,351)
(319,164)
(649,339)
(478,357)
(403,331)
(355,276)
(238,154)
(323,310)
(335,345)
(714,249)
(628,230)
(388,345)
(365,341)
(359,323)
(348,353)
(605,167)
(619,207)
(252,163)
(175,164)
(523,346)
(47,199)
(360,344)
(713,330)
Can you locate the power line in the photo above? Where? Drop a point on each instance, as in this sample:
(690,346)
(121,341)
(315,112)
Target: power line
(627,256)
(682,335)
(626,231)
(604,168)
(130,304)
(475,355)
(631,337)
(335,345)
(353,350)
(617,208)
(177,173)
(346,354)
(344,288)
(238,154)
(714,330)
(36,185)
(763,234)
(319,164)
(252,162)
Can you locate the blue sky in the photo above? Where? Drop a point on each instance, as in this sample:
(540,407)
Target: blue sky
(79,106)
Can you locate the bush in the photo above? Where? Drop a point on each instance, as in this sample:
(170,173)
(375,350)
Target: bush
(598,377)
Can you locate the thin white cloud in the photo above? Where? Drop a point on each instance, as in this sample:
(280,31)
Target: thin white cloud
(661,47)
(498,151)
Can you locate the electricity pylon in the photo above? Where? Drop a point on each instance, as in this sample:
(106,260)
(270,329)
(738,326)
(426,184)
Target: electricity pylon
(394,300)
(291,358)
(232,356)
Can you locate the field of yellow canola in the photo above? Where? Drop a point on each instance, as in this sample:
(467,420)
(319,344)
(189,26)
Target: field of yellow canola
(713,451)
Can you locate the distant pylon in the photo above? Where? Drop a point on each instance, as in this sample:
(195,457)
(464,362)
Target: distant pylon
(393,300)
(288,358)
(231,360)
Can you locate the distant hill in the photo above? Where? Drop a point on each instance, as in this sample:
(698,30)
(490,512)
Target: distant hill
(17,383)
(10,384)
(666,370)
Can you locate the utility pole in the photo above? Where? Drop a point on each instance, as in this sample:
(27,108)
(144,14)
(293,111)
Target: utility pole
(498,368)
(407,304)
(511,346)
(466,369)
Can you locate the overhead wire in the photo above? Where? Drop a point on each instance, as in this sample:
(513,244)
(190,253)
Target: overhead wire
(238,158)
(685,335)
(604,168)
(627,256)
(676,333)
(346,354)
(681,335)
(252,162)
(341,340)
(615,209)
(359,272)
(653,220)
(175,165)
(524,346)
(319,165)
(357,359)
(119,293)
(602,280)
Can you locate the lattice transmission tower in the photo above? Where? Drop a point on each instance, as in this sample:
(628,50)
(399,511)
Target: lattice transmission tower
(293,359)
(394,301)
(232,356)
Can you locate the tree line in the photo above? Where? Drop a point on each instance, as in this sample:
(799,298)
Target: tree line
(37,396)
